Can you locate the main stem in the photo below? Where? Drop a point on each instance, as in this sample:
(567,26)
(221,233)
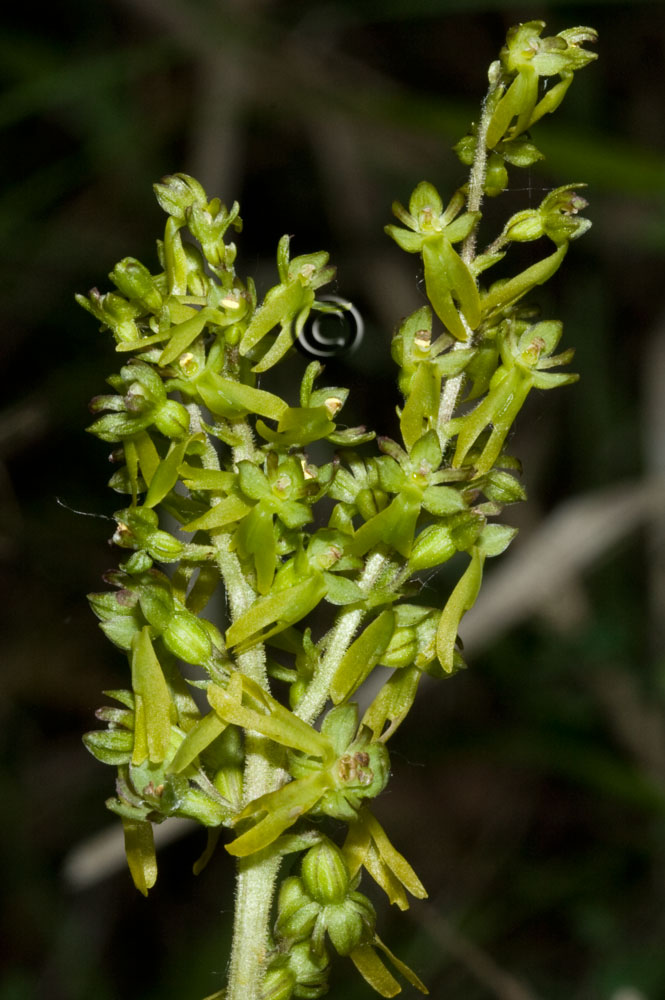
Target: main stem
(453,386)
(255,877)
(313,701)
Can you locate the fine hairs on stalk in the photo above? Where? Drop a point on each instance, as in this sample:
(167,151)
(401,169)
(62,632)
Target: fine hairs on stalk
(268,767)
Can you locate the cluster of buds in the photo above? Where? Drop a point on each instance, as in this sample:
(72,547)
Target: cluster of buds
(323,906)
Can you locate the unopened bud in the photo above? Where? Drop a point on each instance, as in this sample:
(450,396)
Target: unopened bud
(278,984)
(525,226)
(164,547)
(402,648)
(196,804)
(465,528)
(228,782)
(296,911)
(432,547)
(134,280)
(172,419)
(187,638)
(309,967)
(351,923)
(324,873)
(177,193)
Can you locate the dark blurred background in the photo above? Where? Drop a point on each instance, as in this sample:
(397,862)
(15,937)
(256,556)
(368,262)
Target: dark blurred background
(529,791)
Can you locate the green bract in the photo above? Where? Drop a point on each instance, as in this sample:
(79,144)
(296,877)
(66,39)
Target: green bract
(316,559)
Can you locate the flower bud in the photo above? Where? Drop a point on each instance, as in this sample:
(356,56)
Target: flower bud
(351,923)
(139,562)
(402,648)
(187,638)
(465,528)
(134,280)
(324,873)
(177,192)
(228,782)
(197,804)
(164,547)
(503,488)
(525,226)
(296,911)
(496,176)
(232,334)
(278,984)
(432,547)
(172,419)
(310,969)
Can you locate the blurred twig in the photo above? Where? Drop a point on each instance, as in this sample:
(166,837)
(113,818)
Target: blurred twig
(570,541)
(638,723)
(484,969)
(21,424)
(103,854)
(654,456)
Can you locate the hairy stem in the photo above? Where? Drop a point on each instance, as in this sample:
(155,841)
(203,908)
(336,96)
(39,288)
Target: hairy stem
(339,639)
(255,877)
(453,386)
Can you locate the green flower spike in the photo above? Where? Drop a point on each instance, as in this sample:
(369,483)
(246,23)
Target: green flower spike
(196,443)
(323,901)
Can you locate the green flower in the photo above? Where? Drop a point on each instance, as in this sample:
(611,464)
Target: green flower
(525,58)
(333,773)
(526,353)
(288,304)
(450,285)
(557,218)
(140,403)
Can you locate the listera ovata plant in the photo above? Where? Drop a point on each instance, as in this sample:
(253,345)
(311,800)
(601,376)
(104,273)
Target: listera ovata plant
(257,757)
